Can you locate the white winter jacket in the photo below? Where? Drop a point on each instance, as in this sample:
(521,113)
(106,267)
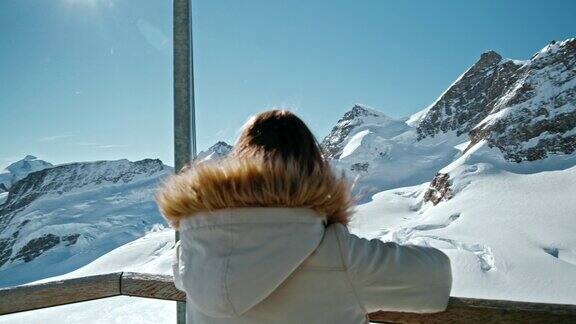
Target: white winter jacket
(283,265)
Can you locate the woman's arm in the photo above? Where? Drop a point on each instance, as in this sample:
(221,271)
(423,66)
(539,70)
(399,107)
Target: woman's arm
(392,277)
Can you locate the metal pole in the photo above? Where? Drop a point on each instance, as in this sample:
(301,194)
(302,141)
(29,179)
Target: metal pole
(184,112)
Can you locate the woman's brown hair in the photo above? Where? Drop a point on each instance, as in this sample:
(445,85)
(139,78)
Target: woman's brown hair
(276,162)
(279,135)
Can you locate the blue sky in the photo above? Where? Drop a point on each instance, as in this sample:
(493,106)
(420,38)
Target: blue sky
(91,79)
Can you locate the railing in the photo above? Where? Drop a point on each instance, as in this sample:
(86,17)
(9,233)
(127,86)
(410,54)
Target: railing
(460,310)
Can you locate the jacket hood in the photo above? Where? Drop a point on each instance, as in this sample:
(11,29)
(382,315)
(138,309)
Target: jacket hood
(233,183)
(232,259)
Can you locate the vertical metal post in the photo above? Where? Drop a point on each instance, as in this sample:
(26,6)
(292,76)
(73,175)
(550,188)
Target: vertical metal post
(184,112)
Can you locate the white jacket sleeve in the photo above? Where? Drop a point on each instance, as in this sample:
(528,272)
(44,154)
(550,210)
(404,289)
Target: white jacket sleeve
(392,277)
(176,267)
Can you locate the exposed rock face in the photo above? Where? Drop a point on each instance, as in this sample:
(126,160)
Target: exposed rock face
(36,247)
(471,97)
(335,141)
(525,108)
(360,167)
(537,116)
(439,189)
(70,239)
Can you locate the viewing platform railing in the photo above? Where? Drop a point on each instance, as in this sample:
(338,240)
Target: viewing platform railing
(460,310)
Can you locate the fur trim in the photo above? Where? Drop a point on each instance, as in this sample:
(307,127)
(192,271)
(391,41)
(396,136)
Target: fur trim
(248,183)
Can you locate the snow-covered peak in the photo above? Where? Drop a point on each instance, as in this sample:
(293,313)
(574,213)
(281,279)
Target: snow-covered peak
(360,113)
(28,164)
(353,121)
(378,152)
(217,151)
(20,169)
(360,110)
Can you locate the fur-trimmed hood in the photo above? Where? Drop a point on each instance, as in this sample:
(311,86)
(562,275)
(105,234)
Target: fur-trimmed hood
(231,183)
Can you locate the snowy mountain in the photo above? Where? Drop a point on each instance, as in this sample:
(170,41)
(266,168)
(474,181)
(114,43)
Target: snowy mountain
(536,117)
(379,152)
(214,152)
(359,118)
(471,97)
(527,109)
(63,217)
(502,206)
(502,176)
(19,170)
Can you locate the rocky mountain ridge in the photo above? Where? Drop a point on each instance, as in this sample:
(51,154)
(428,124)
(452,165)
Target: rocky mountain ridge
(537,115)
(471,97)
(525,109)
(76,211)
(357,116)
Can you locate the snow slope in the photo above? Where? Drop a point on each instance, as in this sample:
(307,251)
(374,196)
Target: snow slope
(152,253)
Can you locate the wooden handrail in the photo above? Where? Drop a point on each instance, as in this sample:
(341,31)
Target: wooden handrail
(460,310)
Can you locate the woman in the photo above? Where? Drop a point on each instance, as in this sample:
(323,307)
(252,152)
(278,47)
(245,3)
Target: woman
(263,238)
